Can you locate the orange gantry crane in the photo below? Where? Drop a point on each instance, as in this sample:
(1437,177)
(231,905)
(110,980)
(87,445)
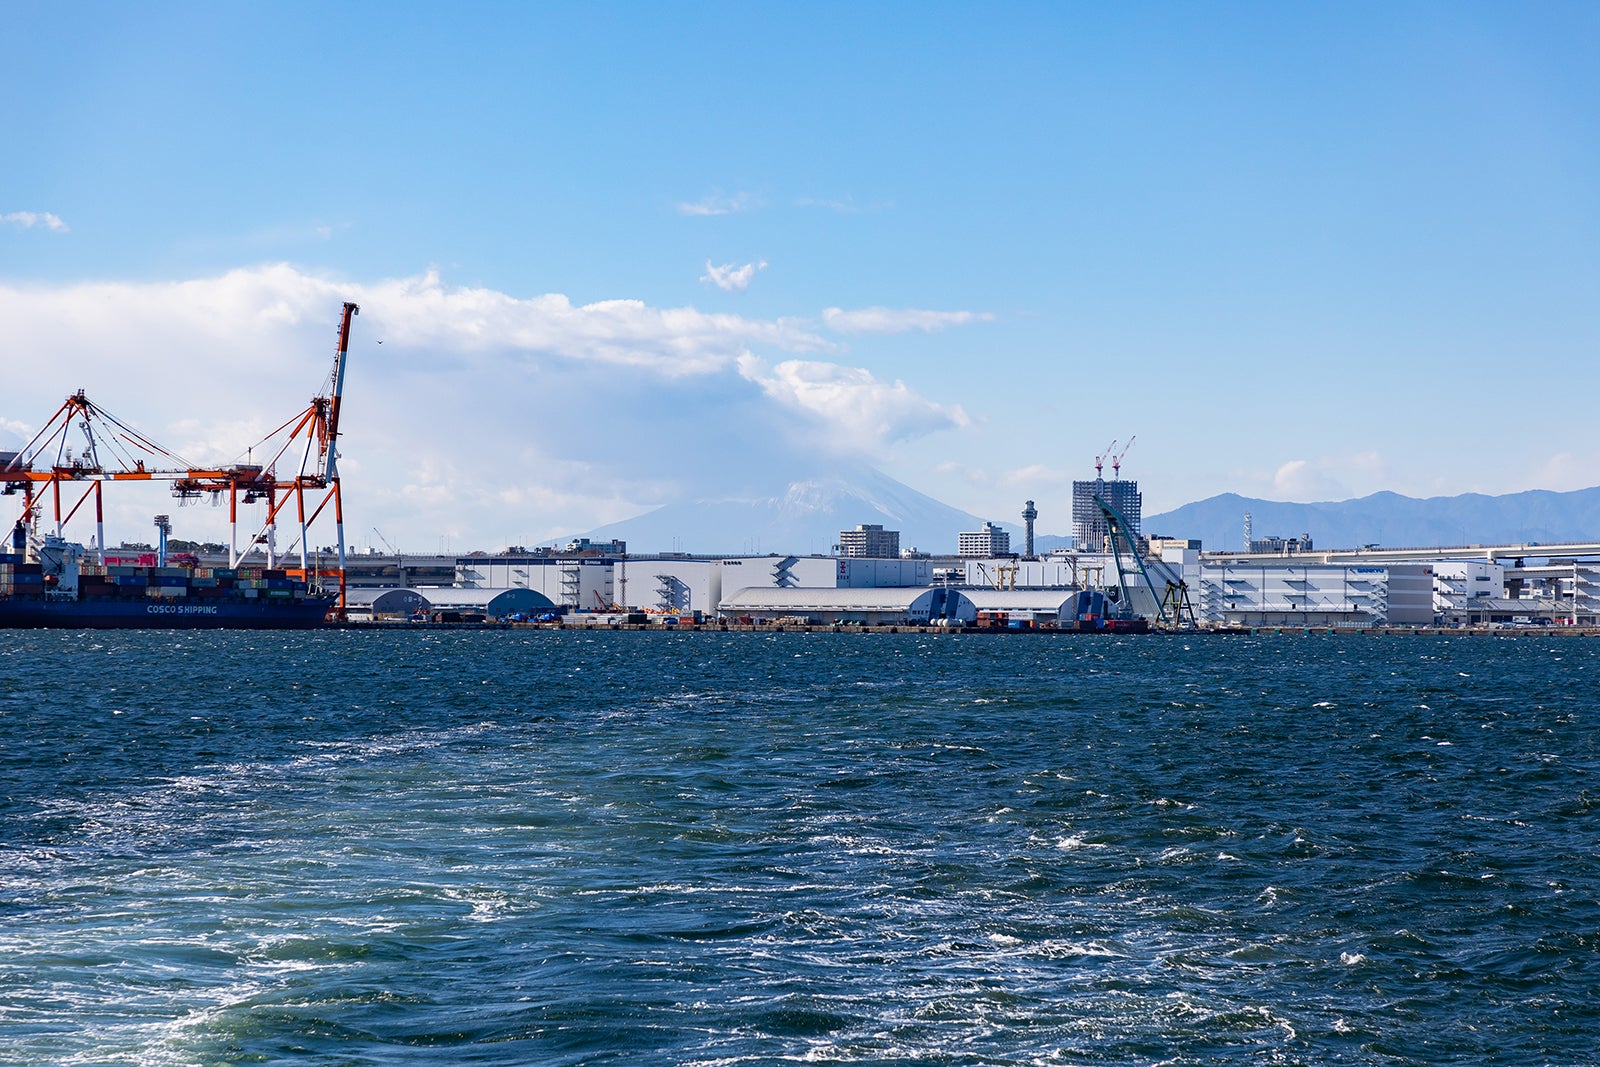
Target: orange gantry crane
(46,470)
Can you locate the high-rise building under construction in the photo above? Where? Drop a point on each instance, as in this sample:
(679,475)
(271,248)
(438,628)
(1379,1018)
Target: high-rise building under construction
(1088,524)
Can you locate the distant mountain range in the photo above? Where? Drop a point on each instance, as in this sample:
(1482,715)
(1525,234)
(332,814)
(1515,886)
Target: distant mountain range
(805,517)
(1390,520)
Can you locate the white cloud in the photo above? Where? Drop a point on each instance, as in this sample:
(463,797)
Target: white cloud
(27,220)
(482,417)
(1037,474)
(1293,477)
(422,312)
(898,320)
(1562,472)
(846,206)
(975,476)
(14,435)
(860,411)
(1338,477)
(731,279)
(719,204)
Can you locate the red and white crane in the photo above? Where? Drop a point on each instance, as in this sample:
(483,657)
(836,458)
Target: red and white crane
(1116,461)
(1099,461)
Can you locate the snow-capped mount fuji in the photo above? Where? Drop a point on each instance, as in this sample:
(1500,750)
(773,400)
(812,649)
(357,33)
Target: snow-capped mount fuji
(802,517)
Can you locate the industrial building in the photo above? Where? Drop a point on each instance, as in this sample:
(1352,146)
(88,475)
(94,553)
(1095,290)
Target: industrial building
(866,607)
(1294,590)
(679,583)
(379,605)
(1259,593)
(1058,571)
(869,542)
(1282,546)
(1285,583)
(862,573)
(1036,607)
(573,582)
(375,605)
(491,604)
(1486,593)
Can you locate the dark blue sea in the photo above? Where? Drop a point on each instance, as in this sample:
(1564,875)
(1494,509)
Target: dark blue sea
(441,848)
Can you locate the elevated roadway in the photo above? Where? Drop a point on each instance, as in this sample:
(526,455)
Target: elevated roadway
(1524,550)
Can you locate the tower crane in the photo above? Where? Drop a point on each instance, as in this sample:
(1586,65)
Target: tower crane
(1116,461)
(1099,461)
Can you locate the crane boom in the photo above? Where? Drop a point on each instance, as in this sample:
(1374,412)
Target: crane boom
(1116,461)
(1122,534)
(329,453)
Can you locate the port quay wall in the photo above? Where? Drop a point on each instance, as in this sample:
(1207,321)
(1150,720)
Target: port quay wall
(1501,631)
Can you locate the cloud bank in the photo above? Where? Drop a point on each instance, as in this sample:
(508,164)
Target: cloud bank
(473,417)
(854,408)
(1335,477)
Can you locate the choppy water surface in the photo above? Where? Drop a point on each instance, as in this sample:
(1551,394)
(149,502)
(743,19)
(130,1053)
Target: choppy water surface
(559,848)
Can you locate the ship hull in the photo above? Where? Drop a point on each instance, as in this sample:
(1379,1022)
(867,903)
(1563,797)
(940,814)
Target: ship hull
(142,614)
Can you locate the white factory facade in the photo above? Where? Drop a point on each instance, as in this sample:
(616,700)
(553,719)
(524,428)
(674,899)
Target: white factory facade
(1222,592)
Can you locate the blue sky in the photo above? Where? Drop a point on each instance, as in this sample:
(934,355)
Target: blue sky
(1302,251)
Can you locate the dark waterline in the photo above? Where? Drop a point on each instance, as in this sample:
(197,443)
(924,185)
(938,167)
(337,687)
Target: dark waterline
(562,848)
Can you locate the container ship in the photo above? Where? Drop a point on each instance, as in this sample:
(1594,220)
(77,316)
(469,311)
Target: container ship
(47,580)
(56,587)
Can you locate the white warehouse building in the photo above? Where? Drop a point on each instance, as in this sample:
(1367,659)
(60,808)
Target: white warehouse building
(677,583)
(887,606)
(578,583)
(1261,593)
